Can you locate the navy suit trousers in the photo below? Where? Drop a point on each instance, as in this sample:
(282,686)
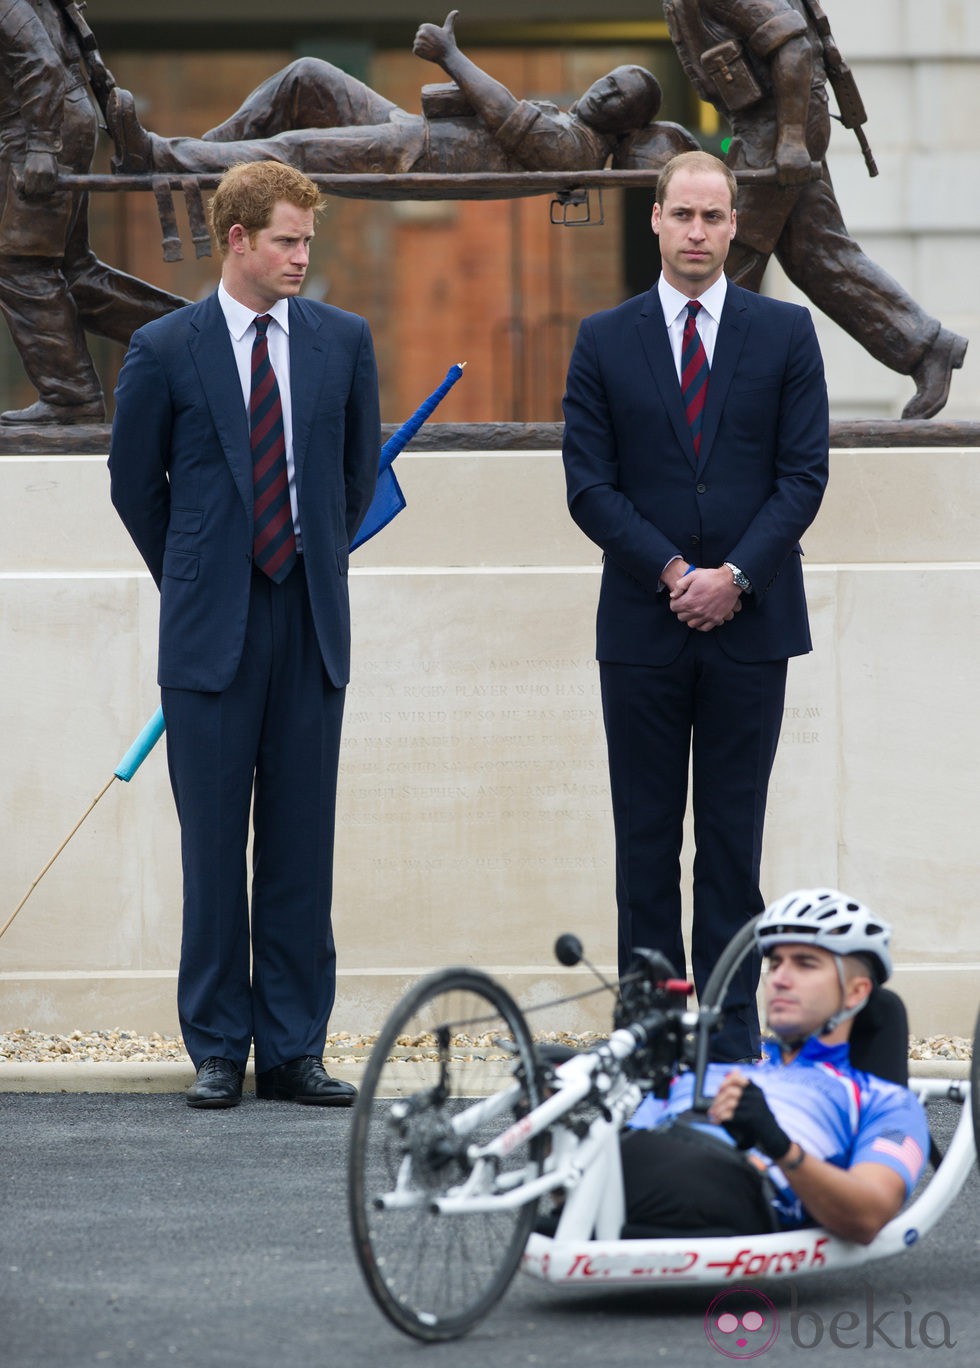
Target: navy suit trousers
(269,742)
(719,720)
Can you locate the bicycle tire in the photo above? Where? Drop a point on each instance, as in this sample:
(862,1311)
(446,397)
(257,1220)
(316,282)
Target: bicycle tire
(436,1276)
(728,961)
(975,1087)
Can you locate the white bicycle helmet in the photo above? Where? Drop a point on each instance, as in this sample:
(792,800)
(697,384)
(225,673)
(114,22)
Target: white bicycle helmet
(831,920)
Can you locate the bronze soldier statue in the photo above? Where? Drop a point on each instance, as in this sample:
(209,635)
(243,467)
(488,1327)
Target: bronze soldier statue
(765,65)
(52,285)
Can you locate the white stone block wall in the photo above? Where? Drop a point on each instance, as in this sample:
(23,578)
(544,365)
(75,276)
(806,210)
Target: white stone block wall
(474,822)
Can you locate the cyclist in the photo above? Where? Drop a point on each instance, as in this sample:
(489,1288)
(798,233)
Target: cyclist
(801,1137)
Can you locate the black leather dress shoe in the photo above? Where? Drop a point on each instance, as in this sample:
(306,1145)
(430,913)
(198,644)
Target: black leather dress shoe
(304,1080)
(218,1084)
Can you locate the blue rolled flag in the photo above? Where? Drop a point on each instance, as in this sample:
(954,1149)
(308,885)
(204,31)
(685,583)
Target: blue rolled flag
(388,498)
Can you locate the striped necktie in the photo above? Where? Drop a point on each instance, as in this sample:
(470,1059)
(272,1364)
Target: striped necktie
(274,540)
(694,373)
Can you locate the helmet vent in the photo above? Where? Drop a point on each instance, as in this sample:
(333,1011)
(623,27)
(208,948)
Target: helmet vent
(827,918)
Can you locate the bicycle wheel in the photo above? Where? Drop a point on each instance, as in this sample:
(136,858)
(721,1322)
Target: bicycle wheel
(740,945)
(456,1036)
(975,1087)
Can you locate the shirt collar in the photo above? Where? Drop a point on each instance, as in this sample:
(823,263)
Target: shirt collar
(814,1051)
(240,319)
(673,302)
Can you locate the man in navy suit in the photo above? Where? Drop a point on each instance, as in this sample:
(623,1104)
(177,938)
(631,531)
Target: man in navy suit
(702,600)
(248,544)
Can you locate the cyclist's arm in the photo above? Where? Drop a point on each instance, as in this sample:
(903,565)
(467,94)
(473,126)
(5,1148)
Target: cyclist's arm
(853,1203)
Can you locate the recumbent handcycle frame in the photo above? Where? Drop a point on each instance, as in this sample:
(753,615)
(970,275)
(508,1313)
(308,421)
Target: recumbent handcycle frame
(445,1183)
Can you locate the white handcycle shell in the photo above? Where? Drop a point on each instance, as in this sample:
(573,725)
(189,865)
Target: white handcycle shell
(571,1258)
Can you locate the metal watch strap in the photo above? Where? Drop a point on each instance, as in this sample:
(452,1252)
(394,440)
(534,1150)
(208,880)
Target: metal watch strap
(793,1164)
(742,581)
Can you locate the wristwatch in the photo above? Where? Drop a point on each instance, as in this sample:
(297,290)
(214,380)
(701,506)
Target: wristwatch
(790,1166)
(741,581)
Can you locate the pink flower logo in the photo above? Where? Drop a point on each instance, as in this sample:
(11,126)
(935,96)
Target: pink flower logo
(741,1323)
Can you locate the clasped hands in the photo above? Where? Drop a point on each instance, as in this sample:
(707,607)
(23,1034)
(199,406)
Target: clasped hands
(704,599)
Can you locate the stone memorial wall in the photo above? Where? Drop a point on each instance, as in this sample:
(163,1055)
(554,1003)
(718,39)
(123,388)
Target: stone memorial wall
(473,822)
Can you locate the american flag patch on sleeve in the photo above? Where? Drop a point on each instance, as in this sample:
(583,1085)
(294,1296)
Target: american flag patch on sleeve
(900,1147)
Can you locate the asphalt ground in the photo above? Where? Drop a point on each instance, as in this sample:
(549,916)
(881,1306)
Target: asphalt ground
(135,1230)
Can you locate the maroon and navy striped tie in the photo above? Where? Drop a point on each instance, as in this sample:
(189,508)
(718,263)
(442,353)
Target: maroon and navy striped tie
(274,540)
(694,373)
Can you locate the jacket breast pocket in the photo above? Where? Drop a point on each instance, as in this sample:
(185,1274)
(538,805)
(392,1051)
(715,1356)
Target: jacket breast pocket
(180,565)
(759,382)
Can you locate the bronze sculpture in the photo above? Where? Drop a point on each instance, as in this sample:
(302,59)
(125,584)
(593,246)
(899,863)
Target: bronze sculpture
(322,120)
(52,286)
(765,65)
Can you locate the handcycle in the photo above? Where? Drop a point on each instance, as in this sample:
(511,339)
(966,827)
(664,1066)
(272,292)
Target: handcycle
(464,1124)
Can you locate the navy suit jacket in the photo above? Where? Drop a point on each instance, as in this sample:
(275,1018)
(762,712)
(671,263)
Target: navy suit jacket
(635,487)
(181,477)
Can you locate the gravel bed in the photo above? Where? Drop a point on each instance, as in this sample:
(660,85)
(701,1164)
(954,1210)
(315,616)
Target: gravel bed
(940,1047)
(89,1047)
(116,1046)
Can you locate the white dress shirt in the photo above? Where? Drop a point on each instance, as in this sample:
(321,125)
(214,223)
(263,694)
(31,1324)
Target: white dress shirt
(241,329)
(674,305)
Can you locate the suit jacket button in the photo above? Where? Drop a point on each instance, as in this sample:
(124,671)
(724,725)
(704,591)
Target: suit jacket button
(701,488)
(695,539)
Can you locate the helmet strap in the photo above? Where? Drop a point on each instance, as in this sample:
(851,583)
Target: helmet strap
(790,1044)
(843,1013)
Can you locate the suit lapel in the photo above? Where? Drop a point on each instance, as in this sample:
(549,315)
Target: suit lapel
(732,331)
(307,364)
(656,345)
(214,358)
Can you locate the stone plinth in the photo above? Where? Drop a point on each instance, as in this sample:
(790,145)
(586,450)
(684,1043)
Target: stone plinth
(474,821)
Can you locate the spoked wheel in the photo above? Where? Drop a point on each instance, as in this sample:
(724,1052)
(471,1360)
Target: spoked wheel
(457,1037)
(740,945)
(975,1087)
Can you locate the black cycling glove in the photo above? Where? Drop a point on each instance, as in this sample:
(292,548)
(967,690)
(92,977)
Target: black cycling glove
(753,1125)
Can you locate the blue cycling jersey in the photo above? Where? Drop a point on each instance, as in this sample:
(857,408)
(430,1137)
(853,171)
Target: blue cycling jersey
(834,1111)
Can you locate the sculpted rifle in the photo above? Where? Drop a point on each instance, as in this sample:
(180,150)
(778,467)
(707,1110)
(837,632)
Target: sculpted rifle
(100,78)
(842,83)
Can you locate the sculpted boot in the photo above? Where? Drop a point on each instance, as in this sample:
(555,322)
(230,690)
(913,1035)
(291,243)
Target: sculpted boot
(134,147)
(43,414)
(933,374)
